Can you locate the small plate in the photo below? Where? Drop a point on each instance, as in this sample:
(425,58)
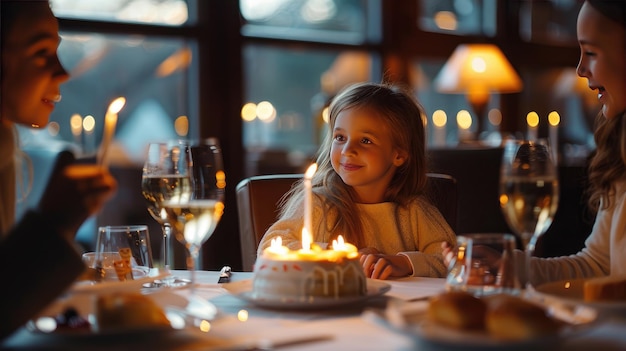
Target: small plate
(243,290)
(84,306)
(571,291)
(576,318)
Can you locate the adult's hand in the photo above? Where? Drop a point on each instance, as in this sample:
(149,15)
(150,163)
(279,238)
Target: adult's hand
(74,193)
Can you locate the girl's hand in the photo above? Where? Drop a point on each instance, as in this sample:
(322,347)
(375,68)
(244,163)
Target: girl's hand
(448,253)
(379,266)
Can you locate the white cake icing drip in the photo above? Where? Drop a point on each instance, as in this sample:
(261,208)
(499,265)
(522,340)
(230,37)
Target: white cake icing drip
(302,280)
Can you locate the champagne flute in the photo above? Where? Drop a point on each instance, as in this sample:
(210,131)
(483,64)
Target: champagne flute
(529,191)
(194,218)
(165,176)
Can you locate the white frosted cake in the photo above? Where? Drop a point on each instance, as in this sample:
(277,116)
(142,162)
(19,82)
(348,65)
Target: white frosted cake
(303,278)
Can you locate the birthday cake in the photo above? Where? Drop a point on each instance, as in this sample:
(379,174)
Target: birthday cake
(304,277)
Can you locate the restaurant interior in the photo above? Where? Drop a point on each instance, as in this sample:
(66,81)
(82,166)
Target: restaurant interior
(258,75)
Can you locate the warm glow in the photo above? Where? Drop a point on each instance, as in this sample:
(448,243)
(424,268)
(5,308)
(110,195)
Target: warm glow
(265,111)
(181,126)
(464,119)
(439,118)
(248,112)
(205,326)
(242,315)
(326,115)
(532,119)
(76,124)
(446,20)
(89,123)
(220,178)
(117,105)
(178,61)
(478,67)
(554,119)
(310,171)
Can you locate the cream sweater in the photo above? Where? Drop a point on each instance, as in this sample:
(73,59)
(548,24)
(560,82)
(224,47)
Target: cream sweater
(415,232)
(603,253)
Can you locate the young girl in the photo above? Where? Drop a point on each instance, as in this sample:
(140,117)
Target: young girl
(601,31)
(369,184)
(42,242)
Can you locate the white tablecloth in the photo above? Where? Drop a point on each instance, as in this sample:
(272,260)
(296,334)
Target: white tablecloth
(345,328)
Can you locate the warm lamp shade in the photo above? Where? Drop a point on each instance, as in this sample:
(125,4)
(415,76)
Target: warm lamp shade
(478,69)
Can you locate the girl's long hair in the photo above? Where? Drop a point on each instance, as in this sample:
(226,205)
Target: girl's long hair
(403,115)
(608,164)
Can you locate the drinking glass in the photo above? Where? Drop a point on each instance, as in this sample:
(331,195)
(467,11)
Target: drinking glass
(484,265)
(122,253)
(195,217)
(165,177)
(529,191)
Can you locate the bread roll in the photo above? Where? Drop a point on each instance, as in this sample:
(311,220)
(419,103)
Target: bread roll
(122,310)
(457,309)
(512,318)
(610,288)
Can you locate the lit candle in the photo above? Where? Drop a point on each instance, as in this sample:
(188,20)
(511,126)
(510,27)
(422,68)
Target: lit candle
(308,205)
(76,124)
(464,122)
(554,119)
(532,119)
(110,121)
(89,124)
(439,124)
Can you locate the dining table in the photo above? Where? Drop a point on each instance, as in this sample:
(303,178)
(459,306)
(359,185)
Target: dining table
(237,323)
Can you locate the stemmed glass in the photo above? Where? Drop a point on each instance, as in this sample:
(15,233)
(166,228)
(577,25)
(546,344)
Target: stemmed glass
(165,177)
(529,191)
(194,218)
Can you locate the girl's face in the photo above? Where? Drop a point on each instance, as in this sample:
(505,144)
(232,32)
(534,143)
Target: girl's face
(363,153)
(603,58)
(31,71)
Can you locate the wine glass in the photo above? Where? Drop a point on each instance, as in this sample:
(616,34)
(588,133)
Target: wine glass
(165,177)
(529,191)
(194,218)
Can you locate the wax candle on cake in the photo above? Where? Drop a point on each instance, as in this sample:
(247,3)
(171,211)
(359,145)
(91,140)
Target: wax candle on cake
(308,204)
(110,121)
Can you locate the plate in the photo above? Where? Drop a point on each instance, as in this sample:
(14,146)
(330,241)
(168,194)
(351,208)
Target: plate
(243,290)
(571,291)
(402,318)
(84,306)
(450,339)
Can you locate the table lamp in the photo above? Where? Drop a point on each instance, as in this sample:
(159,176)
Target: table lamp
(477,70)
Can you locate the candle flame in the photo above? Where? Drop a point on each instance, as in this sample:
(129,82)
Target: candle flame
(310,171)
(117,105)
(277,242)
(554,118)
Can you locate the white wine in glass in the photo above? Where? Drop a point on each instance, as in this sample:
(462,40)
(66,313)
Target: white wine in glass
(165,177)
(529,191)
(194,219)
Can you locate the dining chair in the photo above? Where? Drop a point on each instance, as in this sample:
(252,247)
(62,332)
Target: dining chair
(258,198)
